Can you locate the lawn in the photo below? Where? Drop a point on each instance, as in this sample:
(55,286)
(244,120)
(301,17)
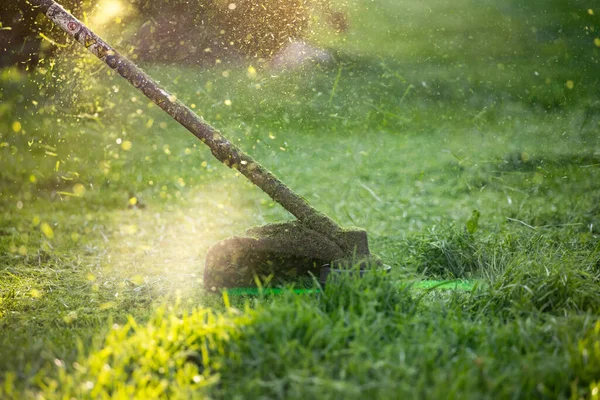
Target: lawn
(432,114)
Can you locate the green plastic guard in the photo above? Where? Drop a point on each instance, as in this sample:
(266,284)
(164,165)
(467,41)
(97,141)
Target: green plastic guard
(457,285)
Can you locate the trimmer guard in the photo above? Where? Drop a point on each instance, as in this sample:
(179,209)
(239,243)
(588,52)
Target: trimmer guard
(278,253)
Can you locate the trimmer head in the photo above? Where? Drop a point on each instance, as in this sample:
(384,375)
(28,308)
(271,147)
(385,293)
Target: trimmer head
(283,251)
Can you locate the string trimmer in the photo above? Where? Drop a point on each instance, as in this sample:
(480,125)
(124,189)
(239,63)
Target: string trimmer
(313,243)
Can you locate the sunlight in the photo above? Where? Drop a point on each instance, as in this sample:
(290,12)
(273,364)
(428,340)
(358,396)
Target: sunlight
(164,249)
(107,10)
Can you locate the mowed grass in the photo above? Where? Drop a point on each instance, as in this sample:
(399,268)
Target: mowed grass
(432,114)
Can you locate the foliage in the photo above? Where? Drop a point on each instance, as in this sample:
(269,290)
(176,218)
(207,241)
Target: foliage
(364,337)
(166,352)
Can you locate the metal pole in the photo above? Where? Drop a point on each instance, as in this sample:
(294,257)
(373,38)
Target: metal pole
(223,149)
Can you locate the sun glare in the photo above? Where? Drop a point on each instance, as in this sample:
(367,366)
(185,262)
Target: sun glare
(108,10)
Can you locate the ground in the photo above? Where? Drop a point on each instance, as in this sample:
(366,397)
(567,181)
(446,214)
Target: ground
(463,137)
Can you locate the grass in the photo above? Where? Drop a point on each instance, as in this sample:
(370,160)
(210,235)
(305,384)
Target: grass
(108,208)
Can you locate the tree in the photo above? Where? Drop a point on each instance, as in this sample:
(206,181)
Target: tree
(178,30)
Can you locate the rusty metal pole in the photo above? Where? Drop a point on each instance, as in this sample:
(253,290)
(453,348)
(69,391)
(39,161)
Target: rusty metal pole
(223,149)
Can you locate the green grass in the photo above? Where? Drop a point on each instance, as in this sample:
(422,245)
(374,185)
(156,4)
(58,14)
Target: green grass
(431,111)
